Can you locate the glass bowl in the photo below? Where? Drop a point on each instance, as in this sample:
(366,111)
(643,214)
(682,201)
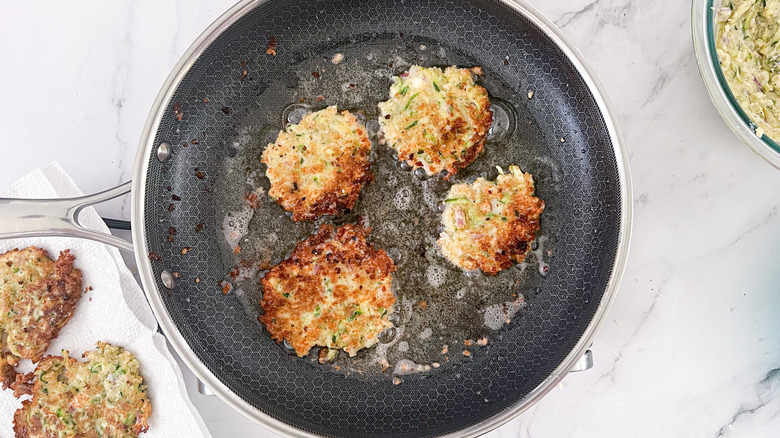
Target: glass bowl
(703,24)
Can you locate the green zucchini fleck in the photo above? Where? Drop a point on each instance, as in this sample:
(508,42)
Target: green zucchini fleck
(130,419)
(409,102)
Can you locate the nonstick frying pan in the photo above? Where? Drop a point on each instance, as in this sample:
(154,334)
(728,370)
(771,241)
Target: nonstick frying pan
(228,97)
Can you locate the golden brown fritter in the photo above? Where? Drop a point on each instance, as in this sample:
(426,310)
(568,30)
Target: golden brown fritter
(335,290)
(437,120)
(102,397)
(318,166)
(489,224)
(37,298)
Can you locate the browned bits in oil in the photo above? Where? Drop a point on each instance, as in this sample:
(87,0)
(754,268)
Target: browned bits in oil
(197,280)
(172,230)
(423,305)
(226,288)
(252,200)
(176,198)
(168,188)
(320,98)
(198,227)
(233,273)
(194,141)
(177,111)
(322,356)
(170,239)
(176,274)
(205,100)
(244,74)
(506,62)
(226,110)
(445,349)
(482,342)
(186,249)
(468,342)
(466,353)
(171,207)
(396,381)
(199,174)
(164,169)
(270,48)
(185,144)
(154,256)
(316,74)
(237,249)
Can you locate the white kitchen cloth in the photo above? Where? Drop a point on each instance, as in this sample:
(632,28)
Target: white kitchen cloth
(114,310)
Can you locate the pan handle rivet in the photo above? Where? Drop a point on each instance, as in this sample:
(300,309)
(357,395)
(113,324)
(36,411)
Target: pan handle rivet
(167,279)
(164,151)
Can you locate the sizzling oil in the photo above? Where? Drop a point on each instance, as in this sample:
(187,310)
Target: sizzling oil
(443,315)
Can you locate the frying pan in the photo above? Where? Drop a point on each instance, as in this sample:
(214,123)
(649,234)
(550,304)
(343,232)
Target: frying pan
(228,95)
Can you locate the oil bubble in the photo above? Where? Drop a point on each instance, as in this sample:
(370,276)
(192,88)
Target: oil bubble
(387,336)
(504,120)
(436,275)
(403,198)
(294,113)
(395,254)
(372,127)
(404,166)
(420,174)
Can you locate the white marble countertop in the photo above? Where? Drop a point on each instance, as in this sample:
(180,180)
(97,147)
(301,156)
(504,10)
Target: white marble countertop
(692,344)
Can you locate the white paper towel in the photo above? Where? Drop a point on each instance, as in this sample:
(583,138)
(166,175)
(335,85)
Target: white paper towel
(114,311)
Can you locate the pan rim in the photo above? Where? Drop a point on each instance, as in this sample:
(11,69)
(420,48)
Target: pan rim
(189,357)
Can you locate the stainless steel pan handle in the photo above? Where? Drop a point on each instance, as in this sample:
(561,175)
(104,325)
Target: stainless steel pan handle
(57,217)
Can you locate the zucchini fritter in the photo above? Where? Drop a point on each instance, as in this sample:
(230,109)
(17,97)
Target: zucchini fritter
(37,298)
(318,166)
(488,224)
(102,397)
(437,120)
(335,290)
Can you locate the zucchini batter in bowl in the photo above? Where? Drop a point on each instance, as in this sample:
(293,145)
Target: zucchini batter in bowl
(748,35)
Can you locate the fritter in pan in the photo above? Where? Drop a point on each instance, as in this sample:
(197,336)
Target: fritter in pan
(489,224)
(318,166)
(436,120)
(335,291)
